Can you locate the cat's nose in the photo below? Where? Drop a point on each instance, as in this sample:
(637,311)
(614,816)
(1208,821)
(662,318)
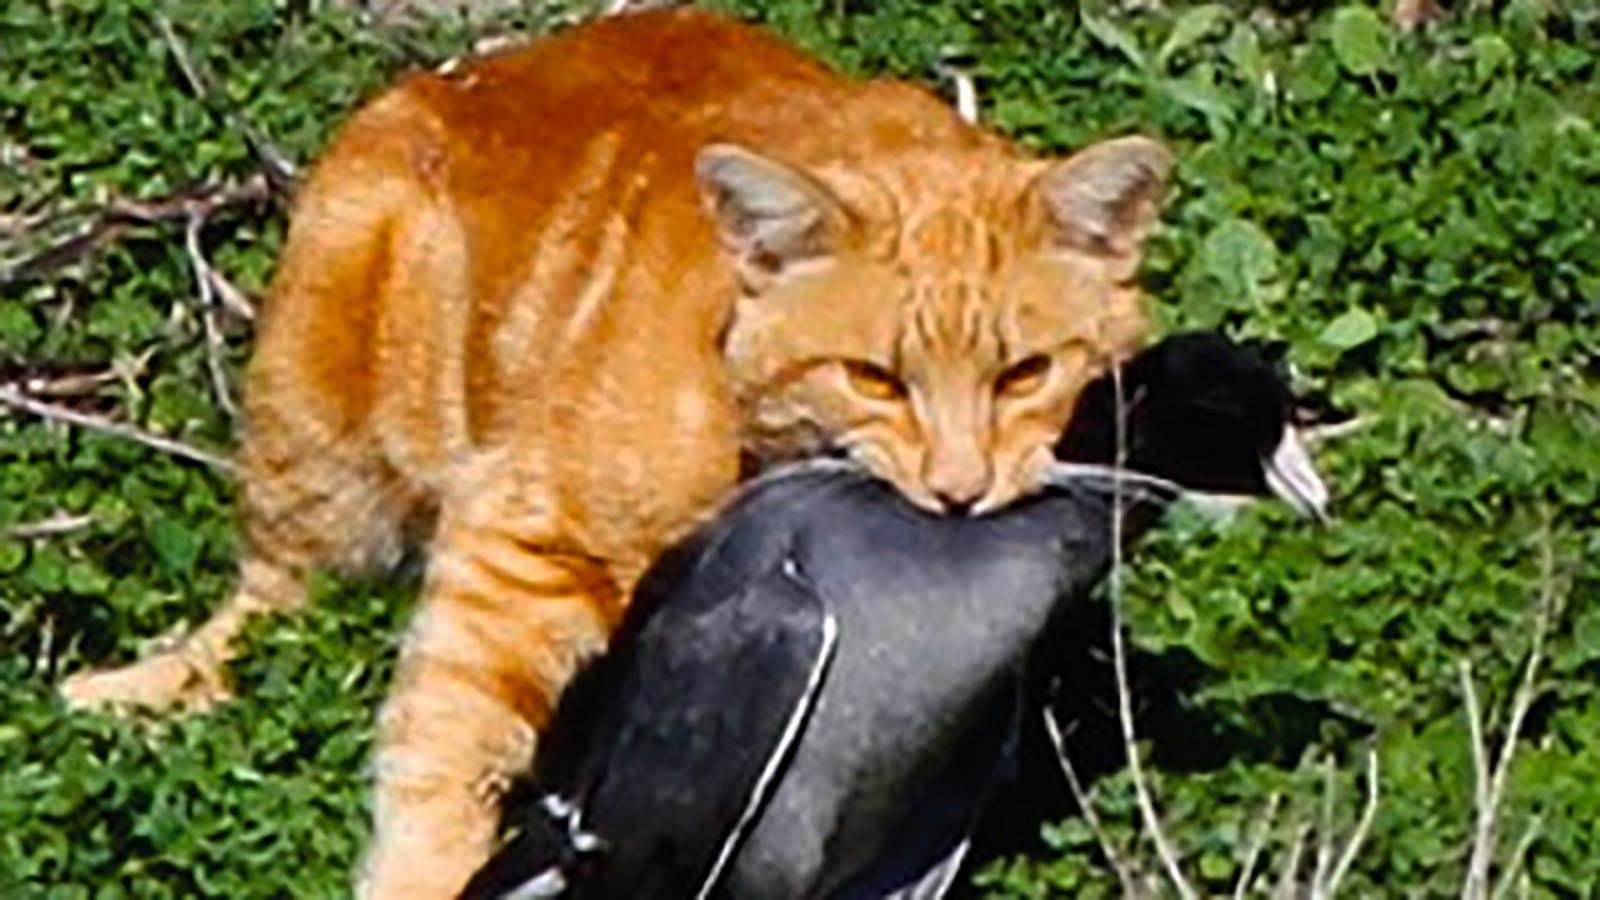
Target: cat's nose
(957,484)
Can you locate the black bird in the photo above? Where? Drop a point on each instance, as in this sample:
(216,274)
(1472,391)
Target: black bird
(816,694)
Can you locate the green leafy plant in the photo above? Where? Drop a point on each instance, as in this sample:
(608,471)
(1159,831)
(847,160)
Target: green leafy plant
(1412,213)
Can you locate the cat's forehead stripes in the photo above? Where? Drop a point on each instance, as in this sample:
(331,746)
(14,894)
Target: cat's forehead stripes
(948,239)
(950,321)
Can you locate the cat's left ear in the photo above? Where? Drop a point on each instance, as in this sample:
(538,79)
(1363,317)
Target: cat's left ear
(770,217)
(1103,200)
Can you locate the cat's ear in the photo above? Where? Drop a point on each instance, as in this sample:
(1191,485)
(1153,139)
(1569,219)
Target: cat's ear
(1103,200)
(769,216)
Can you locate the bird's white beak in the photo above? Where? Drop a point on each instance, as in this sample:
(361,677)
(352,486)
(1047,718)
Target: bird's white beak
(1293,477)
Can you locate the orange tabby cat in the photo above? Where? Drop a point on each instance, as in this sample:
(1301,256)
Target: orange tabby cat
(543,303)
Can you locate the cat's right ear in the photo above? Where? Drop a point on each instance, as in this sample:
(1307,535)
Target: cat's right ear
(1103,201)
(769,216)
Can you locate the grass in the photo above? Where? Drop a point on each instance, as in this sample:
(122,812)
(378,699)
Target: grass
(1414,216)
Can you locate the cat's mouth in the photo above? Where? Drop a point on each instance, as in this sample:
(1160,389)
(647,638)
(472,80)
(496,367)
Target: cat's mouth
(1000,493)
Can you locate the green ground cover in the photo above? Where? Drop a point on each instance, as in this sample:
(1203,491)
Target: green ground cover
(1415,215)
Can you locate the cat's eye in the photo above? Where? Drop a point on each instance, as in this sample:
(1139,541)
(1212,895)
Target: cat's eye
(1024,377)
(873,381)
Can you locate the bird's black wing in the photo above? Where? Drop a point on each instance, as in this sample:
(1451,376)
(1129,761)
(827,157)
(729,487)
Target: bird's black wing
(689,733)
(930,843)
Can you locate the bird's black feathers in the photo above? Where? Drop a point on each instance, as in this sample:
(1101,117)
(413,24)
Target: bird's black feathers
(686,668)
(1199,410)
(668,745)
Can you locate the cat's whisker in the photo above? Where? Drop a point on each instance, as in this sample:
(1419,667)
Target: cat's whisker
(1096,476)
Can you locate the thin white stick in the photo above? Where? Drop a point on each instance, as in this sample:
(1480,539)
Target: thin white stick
(1325,833)
(215,346)
(47,644)
(1125,872)
(1119,656)
(1257,843)
(11,397)
(1320,434)
(966,90)
(1518,857)
(272,160)
(1492,786)
(233,300)
(966,96)
(1368,813)
(60,523)
(1477,886)
(77,385)
(1286,879)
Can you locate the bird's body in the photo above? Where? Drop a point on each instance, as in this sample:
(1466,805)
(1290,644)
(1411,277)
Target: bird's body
(815,694)
(882,726)
(973,594)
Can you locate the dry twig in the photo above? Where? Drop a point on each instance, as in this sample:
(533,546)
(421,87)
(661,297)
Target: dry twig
(279,170)
(79,384)
(1287,878)
(1352,848)
(109,222)
(1476,886)
(1490,783)
(1321,434)
(1119,659)
(1125,872)
(58,524)
(1325,833)
(17,223)
(1257,843)
(215,346)
(10,396)
(1518,855)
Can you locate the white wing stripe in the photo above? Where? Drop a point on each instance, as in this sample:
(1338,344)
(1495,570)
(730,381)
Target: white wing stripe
(935,882)
(769,773)
(549,883)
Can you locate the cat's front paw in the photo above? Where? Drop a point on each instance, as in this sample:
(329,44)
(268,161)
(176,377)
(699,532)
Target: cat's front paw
(171,680)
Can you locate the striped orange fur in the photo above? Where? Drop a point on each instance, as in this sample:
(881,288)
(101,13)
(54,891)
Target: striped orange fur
(540,305)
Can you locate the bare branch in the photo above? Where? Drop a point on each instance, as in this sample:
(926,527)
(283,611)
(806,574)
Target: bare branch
(1257,843)
(1353,847)
(215,346)
(12,224)
(1291,866)
(79,384)
(966,92)
(1519,854)
(1321,434)
(57,524)
(1125,871)
(1325,832)
(1477,884)
(232,299)
(10,396)
(1119,657)
(1492,785)
(106,223)
(617,7)
(279,170)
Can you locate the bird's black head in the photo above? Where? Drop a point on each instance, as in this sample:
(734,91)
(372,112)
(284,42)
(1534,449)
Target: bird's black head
(1205,412)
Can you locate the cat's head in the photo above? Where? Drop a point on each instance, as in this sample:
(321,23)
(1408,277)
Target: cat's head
(935,318)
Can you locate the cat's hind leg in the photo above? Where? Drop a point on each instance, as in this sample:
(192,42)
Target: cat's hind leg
(306,510)
(510,612)
(318,483)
